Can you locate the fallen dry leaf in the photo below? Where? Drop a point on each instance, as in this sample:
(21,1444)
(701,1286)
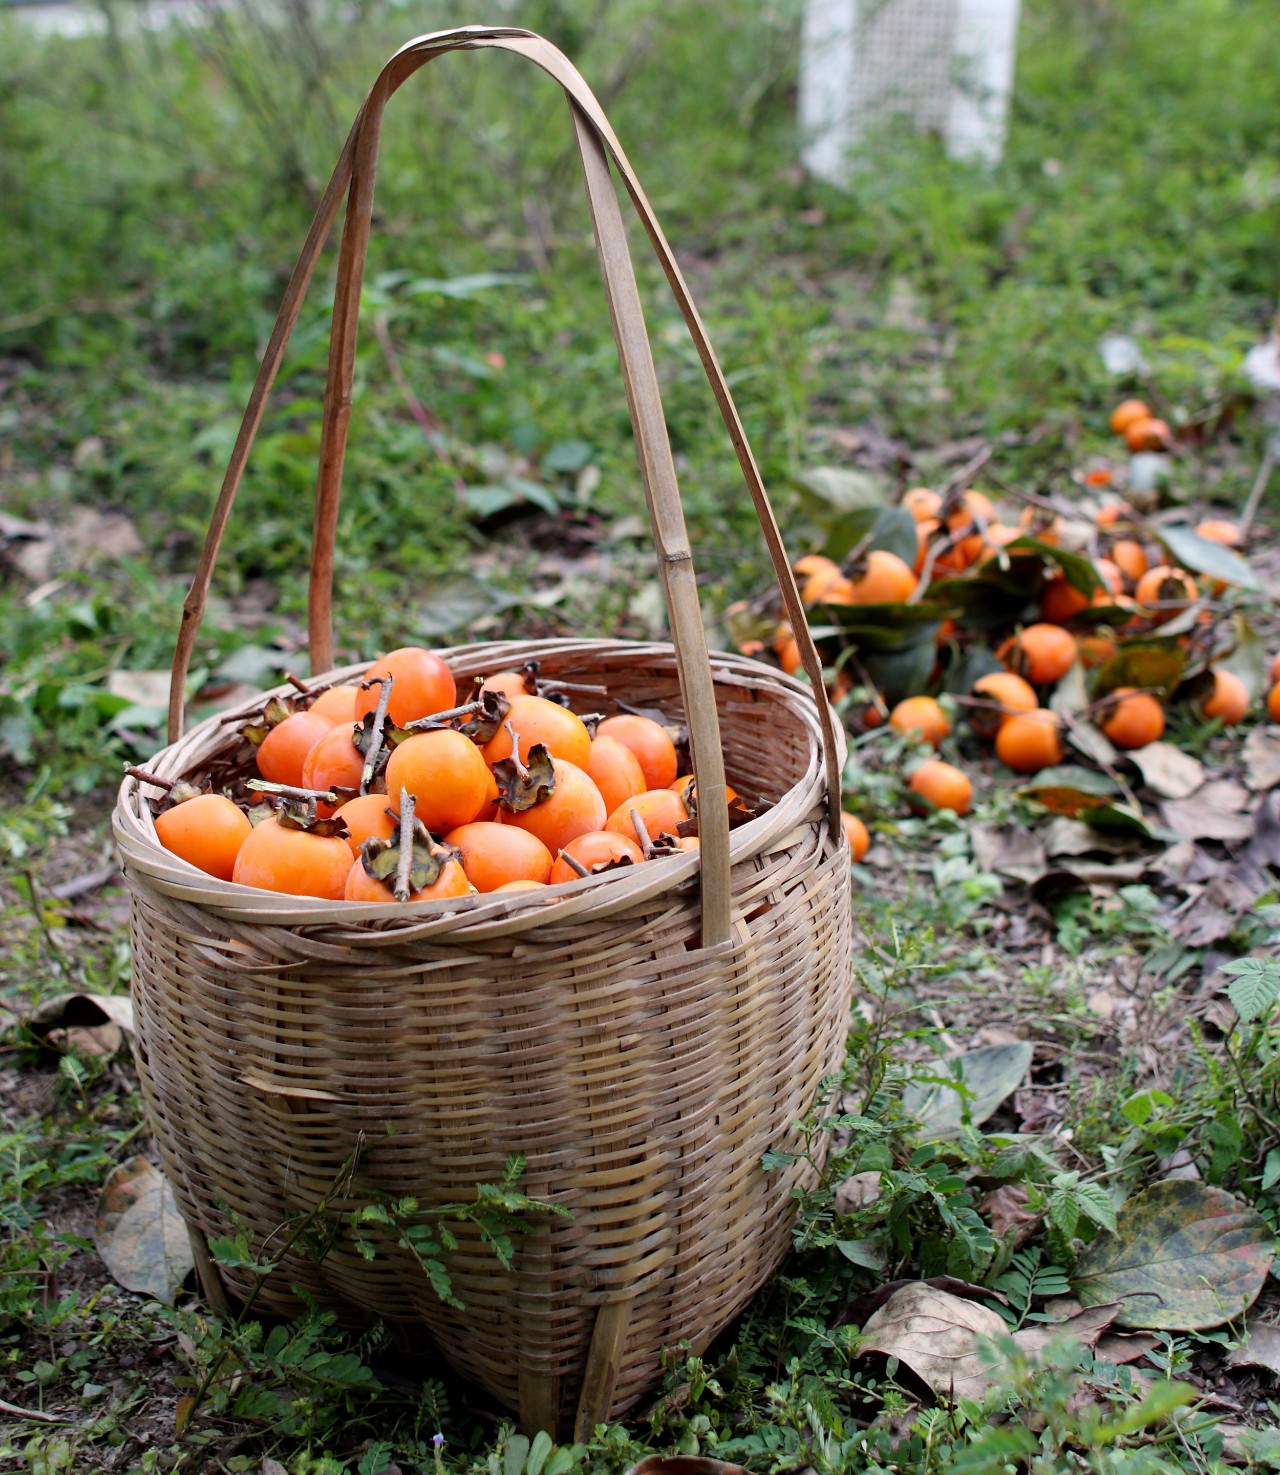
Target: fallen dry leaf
(1212,813)
(1261,753)
(1006,1211)
(89,1024)
(937,1336)
(140,1234)
(1007,850)
(1085,1326)
(1262,1349)
(1125,1347)
(1167,770)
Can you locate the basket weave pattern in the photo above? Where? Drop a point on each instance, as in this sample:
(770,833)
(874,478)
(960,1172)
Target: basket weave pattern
(640,1075)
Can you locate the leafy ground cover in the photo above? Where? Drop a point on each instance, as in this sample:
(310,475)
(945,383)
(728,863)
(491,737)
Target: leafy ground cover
(929,320)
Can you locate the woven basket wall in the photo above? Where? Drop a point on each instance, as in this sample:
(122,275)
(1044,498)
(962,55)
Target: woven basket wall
(587,1030)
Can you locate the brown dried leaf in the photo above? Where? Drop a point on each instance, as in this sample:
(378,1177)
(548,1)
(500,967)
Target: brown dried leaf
(1167,770)
(937,1336)
(1007,850)
(82,1011)
(1006,1210)
(1261,1350)
(1214,812)
(521,786)
(1261,754)
(140,1234)
(1085,1326)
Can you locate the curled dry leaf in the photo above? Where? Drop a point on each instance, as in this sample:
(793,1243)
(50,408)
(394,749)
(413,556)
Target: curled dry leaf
(988,1075)
(1006,1210)
(140,1234)
(90,1024)
(1214,812)
(1262,760)
(937,1336)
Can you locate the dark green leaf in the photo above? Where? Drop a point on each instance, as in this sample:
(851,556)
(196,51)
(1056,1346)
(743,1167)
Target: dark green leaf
(1254,986)
(1202,556)
(1184,1256)
(1155,665)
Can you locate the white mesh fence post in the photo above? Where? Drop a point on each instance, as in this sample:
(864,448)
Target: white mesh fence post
(946,65)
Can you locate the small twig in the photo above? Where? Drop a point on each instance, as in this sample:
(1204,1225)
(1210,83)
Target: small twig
(547,684)
(404,861)
(518,762)
(384,684)
(642,833)
(967,472)
(574,863)
(83,885)
(36,1415)
(1259,486)
(299,685)
(926,569)
(292,791)
(144,777)
(440,719)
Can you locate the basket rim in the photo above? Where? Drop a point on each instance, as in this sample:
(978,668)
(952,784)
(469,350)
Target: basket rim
(148,864)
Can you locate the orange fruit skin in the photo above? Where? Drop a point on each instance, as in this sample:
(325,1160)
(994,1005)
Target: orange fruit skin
(538,720)
(1130,557)
(422,684)
(367,818)
(1275,668)
(444,772)
(1148,434)
(1030,741)
(1042,654)
(660,811)
(520,886)
(361,886)
(494,855)
(615,770)
(206,831)
(282,754)
(886,580)
(294,862)
(1126,412)
(571,810)
(1273,703)
(334,761)
(1229,698)
(338,704)
(1167,587)
(509,684)
(974,507)
(923,504)
(857,834)
(1096,648)
(649,741)
(925,530)
(596,847)
(1219,530)
(1060,602)
(1111,574)
(943,786)
(1136,720)
(816,574)
(684,783)
(1009,695)
(921,715)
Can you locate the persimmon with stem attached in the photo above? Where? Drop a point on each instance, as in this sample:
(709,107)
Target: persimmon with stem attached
(446,774)
(421,684)
(297,862)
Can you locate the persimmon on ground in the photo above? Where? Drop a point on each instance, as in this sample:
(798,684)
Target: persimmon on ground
(1030,741)
(941,786)
(857,834)
(921,715)
(1135,720)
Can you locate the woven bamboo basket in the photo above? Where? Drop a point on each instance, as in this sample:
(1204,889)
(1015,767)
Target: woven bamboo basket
(641,1039)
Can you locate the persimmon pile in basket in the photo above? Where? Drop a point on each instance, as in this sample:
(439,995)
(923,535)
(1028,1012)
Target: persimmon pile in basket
(392,788)
(1051,630)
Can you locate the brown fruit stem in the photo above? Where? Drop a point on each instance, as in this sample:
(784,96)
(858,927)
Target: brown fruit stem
(522,771)
(385,683)
(404,862)
(144,777)
(299,685)
(574,864)
(441,719)
(292,791)
(642,834)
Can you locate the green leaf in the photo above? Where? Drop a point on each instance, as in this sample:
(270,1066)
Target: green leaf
(513,1455)
(1201,556)
(1155,664)
(1095,1202)
(568,456)
(895,532)
(1254,986)
(1162,1400)
(836,488)
(538,1452)
(1140,1107)
(985,1077)
(1078,571)
(1184,1256)
(1117,819)
(1064,1212)
(868,1253)
(462,287)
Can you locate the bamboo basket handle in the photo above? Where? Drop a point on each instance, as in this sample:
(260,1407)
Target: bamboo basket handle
(355,173)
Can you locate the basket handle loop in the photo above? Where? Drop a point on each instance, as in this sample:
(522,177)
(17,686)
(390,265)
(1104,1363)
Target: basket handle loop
(597,144)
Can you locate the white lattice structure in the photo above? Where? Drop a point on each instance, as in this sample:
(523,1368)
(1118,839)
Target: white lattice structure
(945,64)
